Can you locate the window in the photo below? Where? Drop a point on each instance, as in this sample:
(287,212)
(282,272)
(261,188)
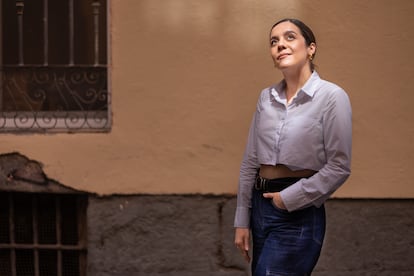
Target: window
(42,234)
(54,71)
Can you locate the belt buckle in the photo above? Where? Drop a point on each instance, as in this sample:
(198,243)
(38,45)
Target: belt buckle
(260,183)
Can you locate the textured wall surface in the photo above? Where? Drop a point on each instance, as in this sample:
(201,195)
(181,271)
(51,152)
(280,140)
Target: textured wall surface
(185,78)
(193,235)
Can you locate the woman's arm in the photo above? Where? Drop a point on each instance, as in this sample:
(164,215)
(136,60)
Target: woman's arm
(337,138)
(248,171)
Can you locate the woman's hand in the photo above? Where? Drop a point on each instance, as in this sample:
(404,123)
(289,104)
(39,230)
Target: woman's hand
(276,199)
(242,242)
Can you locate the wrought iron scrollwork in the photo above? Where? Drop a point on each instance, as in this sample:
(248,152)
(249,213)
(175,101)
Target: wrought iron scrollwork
(68,97)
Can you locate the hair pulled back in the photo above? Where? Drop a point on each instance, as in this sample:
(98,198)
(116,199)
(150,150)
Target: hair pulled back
(304,30)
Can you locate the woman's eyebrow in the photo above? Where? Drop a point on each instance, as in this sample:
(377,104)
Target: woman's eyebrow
(285,33)
(289,32)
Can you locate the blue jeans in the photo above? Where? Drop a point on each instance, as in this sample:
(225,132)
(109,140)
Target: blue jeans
(285,243)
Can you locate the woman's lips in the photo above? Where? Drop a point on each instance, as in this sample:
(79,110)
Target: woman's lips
(281,56)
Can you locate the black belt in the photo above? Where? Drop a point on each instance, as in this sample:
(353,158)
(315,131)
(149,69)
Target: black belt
(274,185)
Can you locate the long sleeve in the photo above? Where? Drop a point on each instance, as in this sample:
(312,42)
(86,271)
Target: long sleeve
(337,138)
(248,170)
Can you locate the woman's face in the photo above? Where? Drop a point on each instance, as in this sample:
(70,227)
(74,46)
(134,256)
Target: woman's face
(288,47)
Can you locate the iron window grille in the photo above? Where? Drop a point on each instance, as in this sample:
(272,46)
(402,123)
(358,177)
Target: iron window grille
(54,69)
(42,234)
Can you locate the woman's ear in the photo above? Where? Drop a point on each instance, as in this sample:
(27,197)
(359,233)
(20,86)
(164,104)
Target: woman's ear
(312,49)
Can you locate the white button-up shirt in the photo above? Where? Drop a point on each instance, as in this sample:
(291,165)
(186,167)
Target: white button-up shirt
(313,132)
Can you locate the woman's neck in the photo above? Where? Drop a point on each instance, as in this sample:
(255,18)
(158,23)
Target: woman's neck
(295,81)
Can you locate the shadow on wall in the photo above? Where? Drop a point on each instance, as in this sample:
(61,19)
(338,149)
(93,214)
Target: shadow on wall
(237,24)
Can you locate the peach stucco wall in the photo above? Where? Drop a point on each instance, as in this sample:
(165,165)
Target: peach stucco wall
(185,78)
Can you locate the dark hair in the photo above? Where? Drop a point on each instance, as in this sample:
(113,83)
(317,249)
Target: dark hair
(304,30)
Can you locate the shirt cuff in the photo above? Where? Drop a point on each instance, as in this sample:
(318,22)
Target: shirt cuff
(242,218)
(294,198)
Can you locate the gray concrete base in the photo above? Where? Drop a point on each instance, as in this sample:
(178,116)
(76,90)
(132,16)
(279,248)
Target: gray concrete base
(193,235)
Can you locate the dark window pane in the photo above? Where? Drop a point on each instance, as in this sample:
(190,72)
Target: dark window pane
(4,218)
(23,218)
(46,219)
(103,47)
(33,38)
(24,263)
(58,32)
(70,263)
(84,33)
(5,263)
(69,217)
(10,31)
(47,263)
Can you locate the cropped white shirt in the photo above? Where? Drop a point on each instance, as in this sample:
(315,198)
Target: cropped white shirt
(313,132)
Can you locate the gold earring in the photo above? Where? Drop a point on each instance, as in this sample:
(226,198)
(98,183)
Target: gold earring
(310,57)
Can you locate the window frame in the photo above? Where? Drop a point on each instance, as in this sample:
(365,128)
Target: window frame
(61,121)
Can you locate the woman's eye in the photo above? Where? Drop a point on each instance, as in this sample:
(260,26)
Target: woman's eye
(273,42)
(290,37)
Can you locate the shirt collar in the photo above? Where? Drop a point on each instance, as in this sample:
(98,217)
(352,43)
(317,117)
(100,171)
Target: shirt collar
(308,88)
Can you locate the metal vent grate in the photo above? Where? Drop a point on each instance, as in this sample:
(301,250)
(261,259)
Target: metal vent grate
(42,234)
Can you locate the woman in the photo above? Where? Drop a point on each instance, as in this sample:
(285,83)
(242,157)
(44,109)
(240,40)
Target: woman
(298,153)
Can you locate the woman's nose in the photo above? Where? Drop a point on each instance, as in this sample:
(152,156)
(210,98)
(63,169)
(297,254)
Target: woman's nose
(281,46)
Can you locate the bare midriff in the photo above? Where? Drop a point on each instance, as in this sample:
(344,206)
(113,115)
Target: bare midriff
(281,171)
